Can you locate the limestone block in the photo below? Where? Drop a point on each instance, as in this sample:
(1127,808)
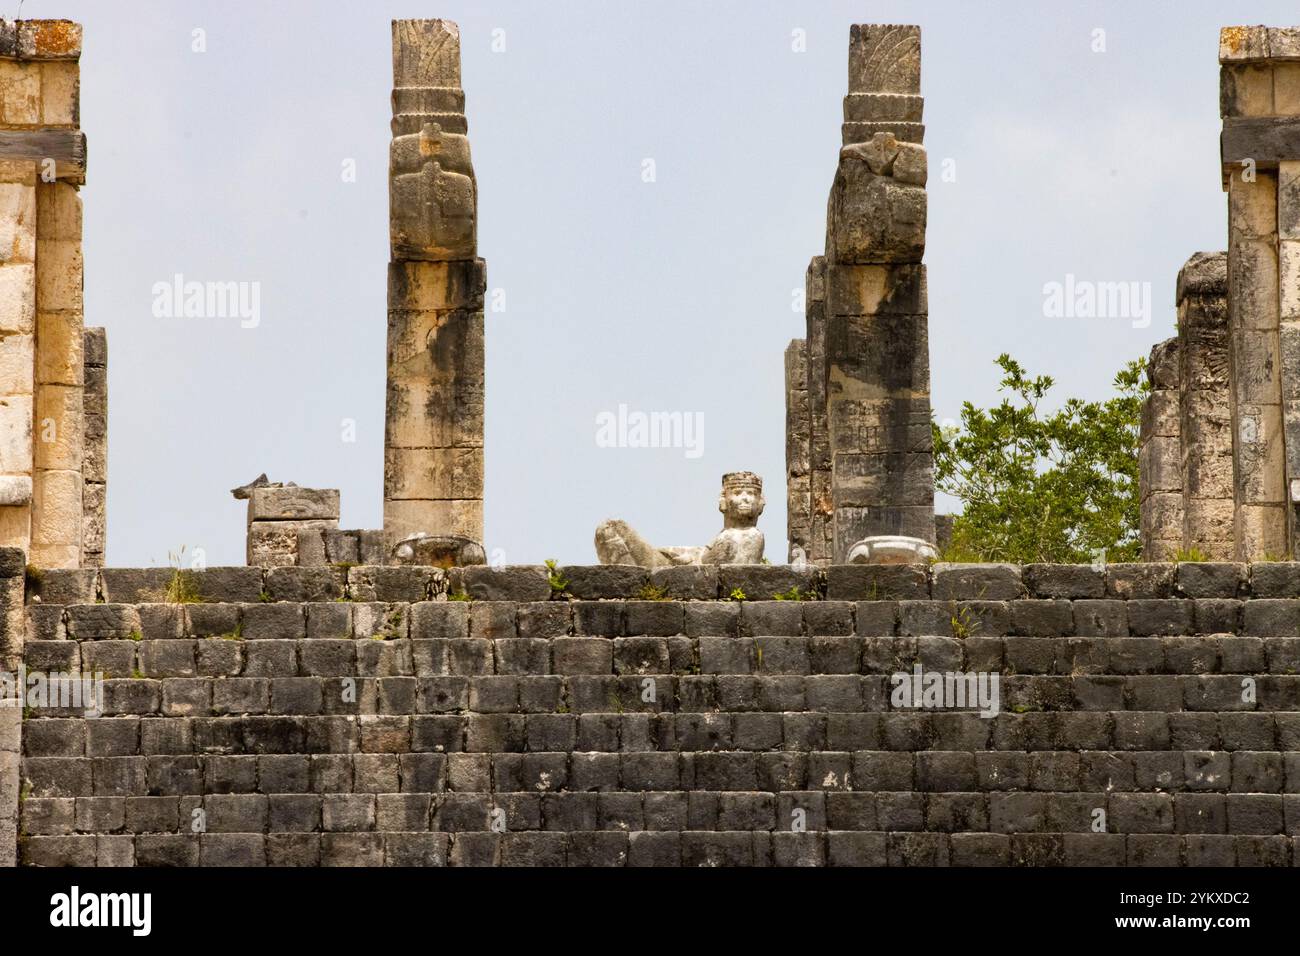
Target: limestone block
(1286,89)
(433,473)
(58,433)
(876,290)
(15,527)
(60,93)
(58,211)
(1204,274)
(883,107)
(1246,90)
(884,58)
(883,425)
(1162,520)
(59,274)
(17,298)
(1289,350)
(17,362)
(40,39)
(1243,44)
(873,357)
(20,93)
(874,218)
(1252,207)
(1261,532)
(15,490)
(95,346)
(851,133)
(17,223)
(437,286)
(1160,465)
(433,198)
(406,517)
(1163,370)
(1258,366)
(16,434)
(1253,274)
(899,478)
(1283,43)
(1209,527)
(93,530)
(1162,414)
(852,524)
(431,414)
(1260,454)
(61,354)
(274,544)
(56,513)
(910,165)
(293,504)
(426,53)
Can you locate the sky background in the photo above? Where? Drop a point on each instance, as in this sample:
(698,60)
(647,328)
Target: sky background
(675,295)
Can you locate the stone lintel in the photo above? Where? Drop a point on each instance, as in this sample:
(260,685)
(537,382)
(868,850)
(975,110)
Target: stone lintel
(40,40)
(67,147)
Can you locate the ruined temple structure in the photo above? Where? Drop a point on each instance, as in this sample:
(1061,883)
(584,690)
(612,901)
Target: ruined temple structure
(1220,458)
(859,453)
(384,698)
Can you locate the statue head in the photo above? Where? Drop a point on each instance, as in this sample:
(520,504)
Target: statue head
(741,501)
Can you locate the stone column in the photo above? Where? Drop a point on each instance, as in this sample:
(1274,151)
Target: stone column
(433,437)
(798,493)
(42,161)
(1260,106)
(877,359)
(1205,406)
(13,627)
(94,461)
(1160,472)
(822,511)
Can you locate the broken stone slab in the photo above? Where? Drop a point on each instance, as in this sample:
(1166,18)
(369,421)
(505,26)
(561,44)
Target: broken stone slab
(439,551)
(293,504)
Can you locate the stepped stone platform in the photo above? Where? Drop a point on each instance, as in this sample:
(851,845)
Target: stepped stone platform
(1149,714)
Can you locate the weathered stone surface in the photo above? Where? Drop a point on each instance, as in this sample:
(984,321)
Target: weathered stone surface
(293,504)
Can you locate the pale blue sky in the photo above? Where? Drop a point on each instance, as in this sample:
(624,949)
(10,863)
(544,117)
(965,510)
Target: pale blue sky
(667,296)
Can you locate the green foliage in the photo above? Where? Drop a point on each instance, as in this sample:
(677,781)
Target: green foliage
(559,584)
(460,594)
(738,595)
(652,592)
(1034,486)
(1190,555)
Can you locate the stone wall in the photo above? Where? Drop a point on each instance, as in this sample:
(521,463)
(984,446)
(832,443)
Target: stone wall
(359,715)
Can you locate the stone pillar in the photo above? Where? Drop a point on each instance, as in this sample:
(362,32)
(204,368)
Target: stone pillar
(433,435)
(1160,472)
(877,362)
(1260,106)
(13,627)
(42,161)
(822,520)
(1205,406)
(94,450)
(798,493)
